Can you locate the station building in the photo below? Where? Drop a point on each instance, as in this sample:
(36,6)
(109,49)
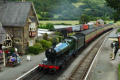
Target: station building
(20,22)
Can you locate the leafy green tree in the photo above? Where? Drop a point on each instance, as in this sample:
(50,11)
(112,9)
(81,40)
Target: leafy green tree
(115,4)
(84,19)
(71,9)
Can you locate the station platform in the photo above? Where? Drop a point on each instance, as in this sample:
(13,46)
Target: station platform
(12,73)
(103,67)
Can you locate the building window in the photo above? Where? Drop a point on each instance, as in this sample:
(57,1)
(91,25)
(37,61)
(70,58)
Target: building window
(32,27)
(8,41)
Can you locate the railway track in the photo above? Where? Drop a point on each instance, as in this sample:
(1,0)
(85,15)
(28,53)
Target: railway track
(78,73)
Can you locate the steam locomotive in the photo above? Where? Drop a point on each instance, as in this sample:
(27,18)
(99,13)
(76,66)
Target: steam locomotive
(57,56)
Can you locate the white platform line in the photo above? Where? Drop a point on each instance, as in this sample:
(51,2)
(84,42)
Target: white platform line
(94,60)
(26,73)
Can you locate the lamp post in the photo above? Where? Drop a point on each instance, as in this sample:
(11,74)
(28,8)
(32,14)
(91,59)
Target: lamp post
(3,48)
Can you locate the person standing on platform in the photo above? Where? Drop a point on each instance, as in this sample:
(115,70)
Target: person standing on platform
(115,46)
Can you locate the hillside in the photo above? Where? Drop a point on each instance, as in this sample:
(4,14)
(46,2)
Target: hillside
(71,9)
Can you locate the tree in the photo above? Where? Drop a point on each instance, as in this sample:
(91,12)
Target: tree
(70,9)
(84,19)
(115,4)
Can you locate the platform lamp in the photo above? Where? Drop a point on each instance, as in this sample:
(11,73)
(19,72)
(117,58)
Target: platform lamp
(3,48)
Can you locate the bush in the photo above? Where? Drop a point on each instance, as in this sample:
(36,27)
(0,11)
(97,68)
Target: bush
(36,49)
(118,30)
(58,33)
(46,44)
(45,36)
(50,26)
(60,38)
(46,26)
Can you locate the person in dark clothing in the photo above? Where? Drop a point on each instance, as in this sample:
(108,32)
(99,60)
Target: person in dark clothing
(115,48)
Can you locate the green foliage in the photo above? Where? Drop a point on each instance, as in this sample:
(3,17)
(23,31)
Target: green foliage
(84,19)
(118,30)
(116,16)
(62,24)
(58,33)
(60,38)
(67,10)
(40,46)
(46,26)
(115,4)
(45,36)
(119,72)
(71,34)
(36,49)
(46,44)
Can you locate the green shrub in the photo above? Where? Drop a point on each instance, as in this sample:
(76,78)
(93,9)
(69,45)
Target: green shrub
(46,26)
(50,39)
(57,33)
(36,49)
(46,44)
(118,30)
(60,38)
(50,26)
(45,36)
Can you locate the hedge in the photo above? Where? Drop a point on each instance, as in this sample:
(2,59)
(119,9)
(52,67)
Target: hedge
(46,26)
(118,30)
(39,47)
(46,44)
(36,49)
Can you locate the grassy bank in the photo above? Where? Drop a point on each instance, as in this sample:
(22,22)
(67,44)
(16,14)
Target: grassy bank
(72,22)
(119,72)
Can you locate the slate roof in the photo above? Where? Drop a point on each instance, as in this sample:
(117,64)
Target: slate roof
(2,34)
(14,13)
